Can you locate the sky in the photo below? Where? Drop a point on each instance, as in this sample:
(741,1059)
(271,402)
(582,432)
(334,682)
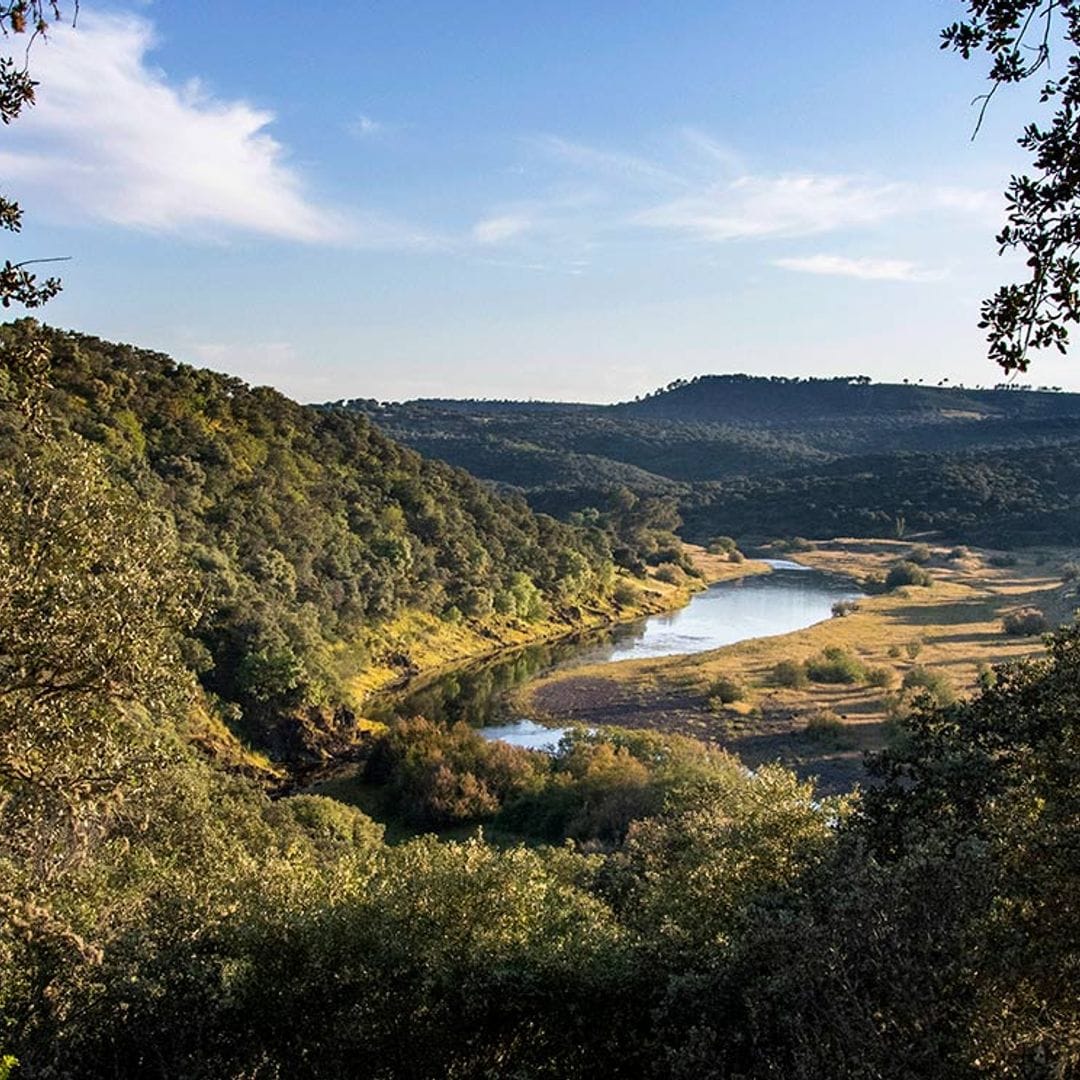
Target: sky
(547,199)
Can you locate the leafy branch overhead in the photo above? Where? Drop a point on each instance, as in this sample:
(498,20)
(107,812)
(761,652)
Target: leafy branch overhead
(1021,37)
(17,284)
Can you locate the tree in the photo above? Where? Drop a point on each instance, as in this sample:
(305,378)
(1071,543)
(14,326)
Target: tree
(18,284)
(1043,209)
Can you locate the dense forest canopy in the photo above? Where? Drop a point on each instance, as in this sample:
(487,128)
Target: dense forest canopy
(306,528)
(758,457)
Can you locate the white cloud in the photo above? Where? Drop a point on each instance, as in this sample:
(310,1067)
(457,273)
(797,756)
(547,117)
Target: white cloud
(363,127)
(497,230)
(626,167)
(782,206)
(110,139)
(864,269)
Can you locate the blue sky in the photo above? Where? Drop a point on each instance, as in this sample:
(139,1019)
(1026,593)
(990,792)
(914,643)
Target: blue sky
(542,199)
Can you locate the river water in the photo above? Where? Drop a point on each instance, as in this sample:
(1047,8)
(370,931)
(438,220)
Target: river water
(789,598)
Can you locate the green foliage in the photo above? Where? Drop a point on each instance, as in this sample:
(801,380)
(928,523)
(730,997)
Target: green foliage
(669,573)
(835,665)
(721,545)
(307,528)
(920,554)
(829,729)
(882,677)
(906,573)
(726,690)
(1025,621)
(1019,38)
(790,673)
(929,681)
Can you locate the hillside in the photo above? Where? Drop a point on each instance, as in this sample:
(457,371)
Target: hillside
(309,530)
(752,456)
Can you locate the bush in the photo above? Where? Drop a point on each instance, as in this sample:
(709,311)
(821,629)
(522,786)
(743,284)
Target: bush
(934,683)
(828,728)
(625,594)
(736,557)
(790,673)
(1070,572)
(844,607)
(669,573)
(906,573)
(836,665)
(873,584)
(913,648)
(958,553)
(726,690)
(881,677)
(1003,560)
(721,545)
(920,554)
(1025,621)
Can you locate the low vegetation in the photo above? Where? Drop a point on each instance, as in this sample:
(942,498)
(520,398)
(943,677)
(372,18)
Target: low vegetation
(1025,622)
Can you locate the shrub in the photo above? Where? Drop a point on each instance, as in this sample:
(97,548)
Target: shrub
(934,683)
(726,690)
(1025,621)
(721,545)
(844,607)
(906,573)
(625,593)
(920,554)
(894,651)
(669,573)
(873,584)
(958,553)
(828,728)
(736,557)
(1070,572)
(835,665)
(913,648)
(789,673)
(1003,560)
(881,677)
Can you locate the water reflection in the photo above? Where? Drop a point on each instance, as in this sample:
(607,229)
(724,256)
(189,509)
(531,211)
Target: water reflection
(790,598)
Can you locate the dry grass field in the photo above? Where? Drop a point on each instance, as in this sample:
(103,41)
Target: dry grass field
(953,629)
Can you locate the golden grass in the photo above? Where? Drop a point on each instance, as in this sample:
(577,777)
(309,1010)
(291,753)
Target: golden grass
(954,625)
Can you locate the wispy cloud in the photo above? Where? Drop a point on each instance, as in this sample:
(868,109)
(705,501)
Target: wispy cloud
(864,269)
(613,163)
(364,127)
(784,206)
(503,227)
(110,139)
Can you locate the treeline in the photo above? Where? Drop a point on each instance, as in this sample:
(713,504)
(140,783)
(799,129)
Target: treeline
(307,528)
(159,918)
(993,498)
(756,457)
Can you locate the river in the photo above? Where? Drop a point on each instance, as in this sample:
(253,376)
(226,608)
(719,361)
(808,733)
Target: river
(789,598)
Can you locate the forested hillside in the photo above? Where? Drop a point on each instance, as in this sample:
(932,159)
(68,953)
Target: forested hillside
(757,457)
(307,528)
(672,914)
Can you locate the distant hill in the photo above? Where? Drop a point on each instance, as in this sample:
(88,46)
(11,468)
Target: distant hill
(781,456)
(734,398)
